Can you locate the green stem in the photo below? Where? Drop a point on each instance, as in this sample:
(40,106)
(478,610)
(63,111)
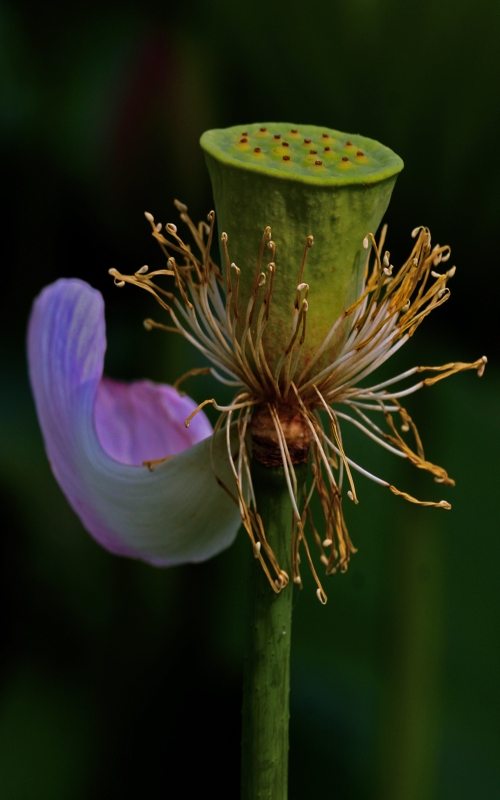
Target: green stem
(266,685)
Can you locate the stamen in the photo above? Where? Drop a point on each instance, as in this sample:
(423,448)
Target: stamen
(206,261)
(236,291)
(308,245)
(321,596)
(187,422)
(441,504)
(191,373)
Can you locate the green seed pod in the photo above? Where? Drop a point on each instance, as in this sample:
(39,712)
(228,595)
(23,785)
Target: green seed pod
(300,181)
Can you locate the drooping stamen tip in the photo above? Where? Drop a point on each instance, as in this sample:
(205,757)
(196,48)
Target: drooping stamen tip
(281,581)
(350,495)
(116,275)
(324,560)
(180,206)
(481,368)
(148,324)
(365,243)
(171,228)
(256,549)
(149,217)
(298,580)
(321,596)
(223,237)
(142,270)
(187,421)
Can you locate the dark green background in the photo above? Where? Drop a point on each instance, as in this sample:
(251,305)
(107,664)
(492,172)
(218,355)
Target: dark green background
(120,680)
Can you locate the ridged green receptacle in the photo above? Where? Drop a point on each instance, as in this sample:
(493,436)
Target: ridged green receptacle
(300,180)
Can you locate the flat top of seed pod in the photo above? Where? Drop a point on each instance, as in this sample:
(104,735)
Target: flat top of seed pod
(305,153)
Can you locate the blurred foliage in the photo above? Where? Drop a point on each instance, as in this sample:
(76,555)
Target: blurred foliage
(120,680)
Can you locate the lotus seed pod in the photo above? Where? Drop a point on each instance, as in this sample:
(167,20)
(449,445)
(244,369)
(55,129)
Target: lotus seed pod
(301,181)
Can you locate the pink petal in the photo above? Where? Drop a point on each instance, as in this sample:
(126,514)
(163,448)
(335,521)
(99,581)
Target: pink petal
(97,432)
(144,421)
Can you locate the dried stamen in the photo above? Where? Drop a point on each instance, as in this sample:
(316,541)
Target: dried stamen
(281,410)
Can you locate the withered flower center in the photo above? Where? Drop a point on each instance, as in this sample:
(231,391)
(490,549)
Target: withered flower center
(267,446)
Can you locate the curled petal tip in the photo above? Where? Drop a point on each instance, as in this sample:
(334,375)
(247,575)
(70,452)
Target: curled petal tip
(99,432)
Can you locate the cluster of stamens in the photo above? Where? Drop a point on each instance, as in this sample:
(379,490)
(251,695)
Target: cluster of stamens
(206,309)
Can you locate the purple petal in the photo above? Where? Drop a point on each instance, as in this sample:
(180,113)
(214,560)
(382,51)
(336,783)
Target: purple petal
(98,432)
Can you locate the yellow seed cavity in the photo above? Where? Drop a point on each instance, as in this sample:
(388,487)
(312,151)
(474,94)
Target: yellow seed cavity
(345,163)
(349,147)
